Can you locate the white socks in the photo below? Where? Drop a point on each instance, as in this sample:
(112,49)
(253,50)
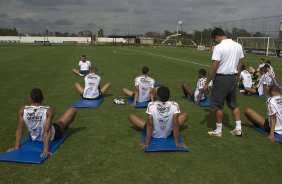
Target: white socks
(238,125)
(218,127)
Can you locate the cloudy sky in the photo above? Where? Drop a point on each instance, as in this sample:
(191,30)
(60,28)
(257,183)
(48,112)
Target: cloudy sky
(128,16)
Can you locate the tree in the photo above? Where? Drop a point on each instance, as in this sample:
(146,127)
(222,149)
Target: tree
(153,34)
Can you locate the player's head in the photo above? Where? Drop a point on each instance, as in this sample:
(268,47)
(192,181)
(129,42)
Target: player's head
(94,69)
(217,32)
(262,60)
(267,67)
(36,95)
(202,73)
(163,94)
(274,90)
(243,67)
(83,57)
(145,70)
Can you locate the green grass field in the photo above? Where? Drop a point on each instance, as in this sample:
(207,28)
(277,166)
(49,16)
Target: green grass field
(103,147)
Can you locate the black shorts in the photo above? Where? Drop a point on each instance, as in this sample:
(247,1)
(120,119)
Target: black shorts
(266,125)
(84,72)
(224,89)
(58,131)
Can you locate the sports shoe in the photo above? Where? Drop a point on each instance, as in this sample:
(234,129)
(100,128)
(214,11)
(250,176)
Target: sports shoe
(242,91)
(215,133)
(237,132)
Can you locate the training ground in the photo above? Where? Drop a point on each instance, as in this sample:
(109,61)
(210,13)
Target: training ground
(103,147)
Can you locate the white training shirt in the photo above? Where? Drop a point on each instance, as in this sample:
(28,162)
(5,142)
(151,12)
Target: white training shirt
(228,53)
(145,84)
(246,79)
(91,89)
(260,84)
(200,85)
(274,106)
(162,113)
(84,65)
(35,120)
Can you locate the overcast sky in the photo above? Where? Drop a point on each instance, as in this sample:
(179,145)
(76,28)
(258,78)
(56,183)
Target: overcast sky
(128,16)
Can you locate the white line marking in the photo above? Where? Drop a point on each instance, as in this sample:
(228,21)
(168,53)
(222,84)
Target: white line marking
(167,57)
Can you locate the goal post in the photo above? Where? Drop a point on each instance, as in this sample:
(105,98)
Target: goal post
(258,45)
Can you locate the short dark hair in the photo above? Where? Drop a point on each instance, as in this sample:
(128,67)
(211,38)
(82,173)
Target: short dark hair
(203,72)
(145,69)
(217,32)
(274,88)
(243,67)
(36,95)
(163,93)
(83,56)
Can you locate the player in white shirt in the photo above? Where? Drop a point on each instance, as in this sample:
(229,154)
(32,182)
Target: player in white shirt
(261,88)
(273,122)
(261,64)
(245,79)
(38,120)
(163,118)
(92,86)
(84,67)
(199,94)
(144,88)
(227,60)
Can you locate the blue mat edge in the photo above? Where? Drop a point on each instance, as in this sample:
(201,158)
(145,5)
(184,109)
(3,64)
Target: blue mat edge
(279,137)
(28,139)
(77,106)
(177,149)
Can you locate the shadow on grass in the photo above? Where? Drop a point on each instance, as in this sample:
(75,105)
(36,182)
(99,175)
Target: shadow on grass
(210,121)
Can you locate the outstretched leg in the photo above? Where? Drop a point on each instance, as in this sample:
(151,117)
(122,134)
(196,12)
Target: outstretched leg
(76,71)
(66,119)
(127,92)
(135,120)
(105,88)
(182,118)
(79,87)
(187,90)
(255,117)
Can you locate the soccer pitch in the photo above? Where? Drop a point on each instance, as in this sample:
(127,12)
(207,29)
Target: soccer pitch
(103,147)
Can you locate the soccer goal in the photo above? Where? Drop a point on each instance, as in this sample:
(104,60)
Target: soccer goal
(258,45)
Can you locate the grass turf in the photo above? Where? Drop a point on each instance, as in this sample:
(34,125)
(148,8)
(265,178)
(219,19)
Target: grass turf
(103,147)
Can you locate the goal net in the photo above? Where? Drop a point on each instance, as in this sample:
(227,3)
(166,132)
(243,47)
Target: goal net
(165,42)
(258,45)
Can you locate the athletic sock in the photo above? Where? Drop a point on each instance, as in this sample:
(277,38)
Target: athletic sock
(218,127)
(238,125)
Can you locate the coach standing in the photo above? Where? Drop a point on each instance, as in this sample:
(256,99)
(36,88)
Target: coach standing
(227,59)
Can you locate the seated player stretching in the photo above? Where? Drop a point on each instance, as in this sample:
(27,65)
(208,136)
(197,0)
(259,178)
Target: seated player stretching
(199,94)
(38,120)
(163,118)
(92,89)
(144,88)
(84,67)
(273,122)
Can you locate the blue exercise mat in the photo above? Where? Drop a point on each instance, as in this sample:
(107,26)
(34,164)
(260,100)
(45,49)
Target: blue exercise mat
(204,103)
(29,151)
(138,104)
(277,136)
(167,144)
(84,103)
(158,84)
